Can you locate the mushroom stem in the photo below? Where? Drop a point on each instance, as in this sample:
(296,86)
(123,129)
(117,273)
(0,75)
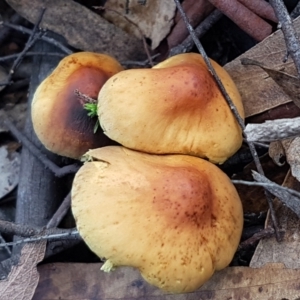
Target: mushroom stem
(108,266)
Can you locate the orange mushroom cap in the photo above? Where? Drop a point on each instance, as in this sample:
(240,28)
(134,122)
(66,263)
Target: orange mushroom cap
(175,107)
(58,115)
(177,218)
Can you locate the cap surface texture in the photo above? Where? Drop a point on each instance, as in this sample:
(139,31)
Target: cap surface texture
(175,107)
(176,218)
(59,118)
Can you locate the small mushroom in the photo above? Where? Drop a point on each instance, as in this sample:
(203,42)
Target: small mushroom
(59,117)
(176,218)
(175,107)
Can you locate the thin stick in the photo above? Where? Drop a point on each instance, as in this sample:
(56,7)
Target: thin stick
(289,33)
(139,63)
(264,184)
(20,57)
(69,234)
(32,39)
(13,56)
(233,109)
(2,241)
(200,30)
(60,213)
(264,233)
(22,230)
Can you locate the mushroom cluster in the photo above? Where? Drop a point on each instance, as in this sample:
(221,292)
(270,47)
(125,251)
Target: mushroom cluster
(163,209)
(152,203)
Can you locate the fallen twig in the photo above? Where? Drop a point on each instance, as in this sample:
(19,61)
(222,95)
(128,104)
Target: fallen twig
(44,38)
(264,233)
(14,56)
(139,63)
(196,12)
(68,234)
(273,130)
(267,184)
(20,57)
(200,30)
(22,230)
(35,35)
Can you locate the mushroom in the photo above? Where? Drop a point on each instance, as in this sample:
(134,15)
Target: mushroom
(177,218)
(175,107)
(59,118)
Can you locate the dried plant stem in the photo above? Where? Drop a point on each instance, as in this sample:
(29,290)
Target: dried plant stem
(20,57)
(264,233)
(35,35)
(233,109)
(2,241)
(27,231)
(289,33)
(267,184)
(44,38)
(14,56)
(139,63)
(67,234)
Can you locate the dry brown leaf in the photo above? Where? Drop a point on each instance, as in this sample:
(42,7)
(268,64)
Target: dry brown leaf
(86,281)
(153,18)
(24,277)
(287,251)
(290,148)
(293,156)
(277,153)
(82,28)
(289,84)
(259,92)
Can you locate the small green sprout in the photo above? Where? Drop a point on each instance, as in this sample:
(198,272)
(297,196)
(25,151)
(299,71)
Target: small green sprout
(92,112)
